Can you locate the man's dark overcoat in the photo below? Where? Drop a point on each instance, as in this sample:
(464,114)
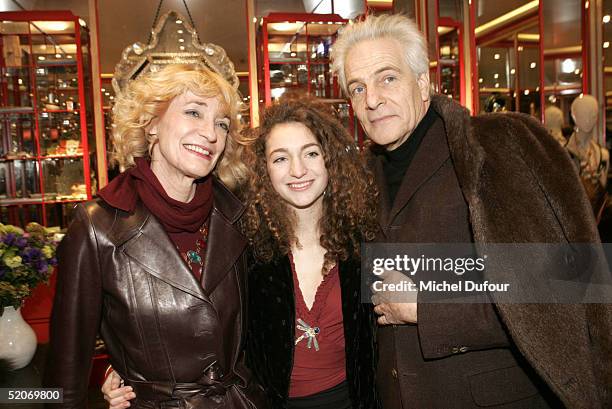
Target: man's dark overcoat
(496,178)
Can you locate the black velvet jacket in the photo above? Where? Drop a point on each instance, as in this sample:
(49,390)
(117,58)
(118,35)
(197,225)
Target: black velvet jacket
(270,339)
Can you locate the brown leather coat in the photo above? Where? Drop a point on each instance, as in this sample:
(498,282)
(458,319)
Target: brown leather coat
(178,342)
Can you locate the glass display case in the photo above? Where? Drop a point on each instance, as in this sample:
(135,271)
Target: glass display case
(47,149)
(531,55)
(564,55)
(445,41)
(449,59)
(294,51)
(295,54)
(508,57)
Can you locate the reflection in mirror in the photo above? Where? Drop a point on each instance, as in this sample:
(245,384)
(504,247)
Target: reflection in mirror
(528,98)
(445,47)
(449,67)
(508,40)
(563,65)
(496,78)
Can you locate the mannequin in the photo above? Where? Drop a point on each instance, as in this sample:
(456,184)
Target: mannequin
(583,144)
(553,119)
(591,159)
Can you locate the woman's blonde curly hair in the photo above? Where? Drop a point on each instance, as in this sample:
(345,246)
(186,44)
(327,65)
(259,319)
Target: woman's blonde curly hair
(350,200)
(149,96)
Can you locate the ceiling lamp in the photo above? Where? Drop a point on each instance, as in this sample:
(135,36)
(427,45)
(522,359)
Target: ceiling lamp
(568,65)
(346,8)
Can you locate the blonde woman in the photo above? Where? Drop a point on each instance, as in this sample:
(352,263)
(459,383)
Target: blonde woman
(157,263)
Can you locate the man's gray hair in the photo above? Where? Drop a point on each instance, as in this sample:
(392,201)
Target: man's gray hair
(395,26)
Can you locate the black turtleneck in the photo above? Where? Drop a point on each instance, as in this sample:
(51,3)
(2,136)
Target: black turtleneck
(398,160)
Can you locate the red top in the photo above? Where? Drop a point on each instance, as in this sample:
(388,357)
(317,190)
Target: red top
(315,371)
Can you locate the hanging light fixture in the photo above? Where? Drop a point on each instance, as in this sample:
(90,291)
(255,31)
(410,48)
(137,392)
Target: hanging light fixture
(163,48)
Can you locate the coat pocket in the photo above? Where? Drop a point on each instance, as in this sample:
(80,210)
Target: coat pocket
(501,386)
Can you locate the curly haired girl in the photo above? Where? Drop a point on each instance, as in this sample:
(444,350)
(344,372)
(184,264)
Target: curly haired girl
(310,203)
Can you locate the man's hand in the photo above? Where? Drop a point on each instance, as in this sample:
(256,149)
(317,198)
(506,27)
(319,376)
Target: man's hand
(395,300)
(396,313)
(117,396)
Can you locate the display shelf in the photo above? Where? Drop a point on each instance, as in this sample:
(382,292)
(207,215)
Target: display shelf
(295,53)
(16,110)
(47,142)
(20,201)
(293,50)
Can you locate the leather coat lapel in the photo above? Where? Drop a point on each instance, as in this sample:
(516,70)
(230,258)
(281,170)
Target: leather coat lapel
(225,242)
(153,250)
(430,156)
(225,245)
(148,244)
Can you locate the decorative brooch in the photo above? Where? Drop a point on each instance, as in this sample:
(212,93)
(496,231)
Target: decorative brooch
(192,257)
(310,333)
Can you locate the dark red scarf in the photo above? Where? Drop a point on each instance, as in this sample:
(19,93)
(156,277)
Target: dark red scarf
(175,216)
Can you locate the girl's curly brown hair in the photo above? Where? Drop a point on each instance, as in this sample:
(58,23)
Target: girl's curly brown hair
(349,202)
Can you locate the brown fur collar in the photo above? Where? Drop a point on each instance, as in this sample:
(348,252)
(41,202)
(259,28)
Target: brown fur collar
(521,187)
(509,147)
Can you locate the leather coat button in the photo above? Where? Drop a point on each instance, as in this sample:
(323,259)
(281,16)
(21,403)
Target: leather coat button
(463,349)
(455,350)
(394,373)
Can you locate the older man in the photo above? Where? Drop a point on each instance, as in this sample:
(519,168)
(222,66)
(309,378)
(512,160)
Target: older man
(446,177)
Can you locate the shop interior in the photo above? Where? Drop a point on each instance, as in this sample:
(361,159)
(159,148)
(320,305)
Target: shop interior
(62,63)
